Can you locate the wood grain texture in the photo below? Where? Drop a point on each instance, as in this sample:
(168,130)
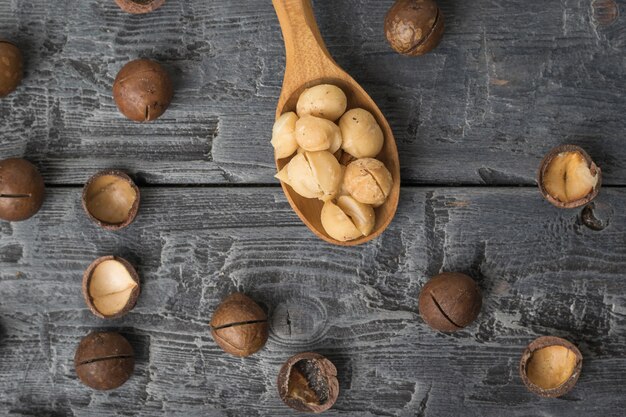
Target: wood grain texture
(541,270)
(510,80)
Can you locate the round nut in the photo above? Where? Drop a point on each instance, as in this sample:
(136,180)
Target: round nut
(111,199)
(450,301)
(307,382)
(139,6)
(239,325)
(142,90)
(22,190)
(361,134)
(284,135)
(550,366)
(568,177)
(368,181)
(111,287)
(414,27)
(317,134)
(104,360)
(326,171)
(326,101)
(362,215)
(299,176)
(11,68)
(337,223)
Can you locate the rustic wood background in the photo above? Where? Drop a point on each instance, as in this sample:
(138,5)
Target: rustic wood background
(511,79)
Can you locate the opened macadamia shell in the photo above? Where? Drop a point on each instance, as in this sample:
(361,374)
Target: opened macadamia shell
(111,199)
(569,168)
(550,366)
(139,6)
(111,287)
(325,100)
(307,382)
(11,67)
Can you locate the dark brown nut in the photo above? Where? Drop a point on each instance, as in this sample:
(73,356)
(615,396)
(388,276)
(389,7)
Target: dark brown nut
(111,199)
(239,325)
(139,6)
(414,27)
(11,67)
(550,366)
(111,287)
(142,90)
(104,360)
(308,382)
(21,190)
(568,178)
(450,301)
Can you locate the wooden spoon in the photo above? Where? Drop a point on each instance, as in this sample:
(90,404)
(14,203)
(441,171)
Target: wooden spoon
(308,64)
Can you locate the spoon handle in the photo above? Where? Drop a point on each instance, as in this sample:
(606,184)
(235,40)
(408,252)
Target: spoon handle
(307,56)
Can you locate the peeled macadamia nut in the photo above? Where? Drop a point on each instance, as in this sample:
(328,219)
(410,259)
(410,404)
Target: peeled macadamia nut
(326,101)
(348,219)
(568,177)
(111,199)
(139,6)
(11,68)
(414,27)
(368,181)
(239,325)
(361,134)
(110,287)
(284,135)
(317,134)
(142,90)
(22,190)
(313,175)
(550,366)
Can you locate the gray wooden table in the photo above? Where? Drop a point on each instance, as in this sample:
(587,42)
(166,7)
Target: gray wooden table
(511,79)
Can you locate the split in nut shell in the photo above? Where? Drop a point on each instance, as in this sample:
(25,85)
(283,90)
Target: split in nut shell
(568,177)
(450,301)
(111,287)
(104,360)
(22,190)
(239,325)
(330,155)
(11,67)
(550,366)
(111,199)
(414,27)
(139,6)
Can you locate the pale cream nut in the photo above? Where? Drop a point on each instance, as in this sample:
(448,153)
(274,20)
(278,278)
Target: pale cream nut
(284,135)
(337,223)
(297,174)
(316,134)
(368,181)
(361,134)
(326,101)
(313,175)
(362,215)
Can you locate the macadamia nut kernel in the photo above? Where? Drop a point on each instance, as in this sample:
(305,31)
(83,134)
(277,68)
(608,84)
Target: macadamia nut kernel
(284,135)
(550,367)
(317,134)
(313,175)
(361,134)
(368,181)
(326,101)
(568,177)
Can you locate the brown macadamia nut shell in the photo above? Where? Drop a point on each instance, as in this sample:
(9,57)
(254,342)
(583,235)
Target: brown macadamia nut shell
(139,6)
(239,325)
(414,27)
(11,67)
(327,370)
(142,90)
(545,164)
(543,342)
(132,213)
(132,300)
(104,360)
(22,190)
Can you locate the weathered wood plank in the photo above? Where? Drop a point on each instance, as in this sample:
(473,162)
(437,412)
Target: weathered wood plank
(510,80)
(541,270)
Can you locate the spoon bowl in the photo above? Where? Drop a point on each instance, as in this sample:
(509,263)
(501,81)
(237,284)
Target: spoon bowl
(308,63)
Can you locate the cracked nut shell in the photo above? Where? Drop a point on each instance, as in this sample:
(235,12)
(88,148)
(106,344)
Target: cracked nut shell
(450,301)
(550,366)
(111,287)
(142,90)
(239,325)
(414,27)
(139,6)
(22,190)
(104,360)
(546,178)
(308,382)
(11,67)
(111,199)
